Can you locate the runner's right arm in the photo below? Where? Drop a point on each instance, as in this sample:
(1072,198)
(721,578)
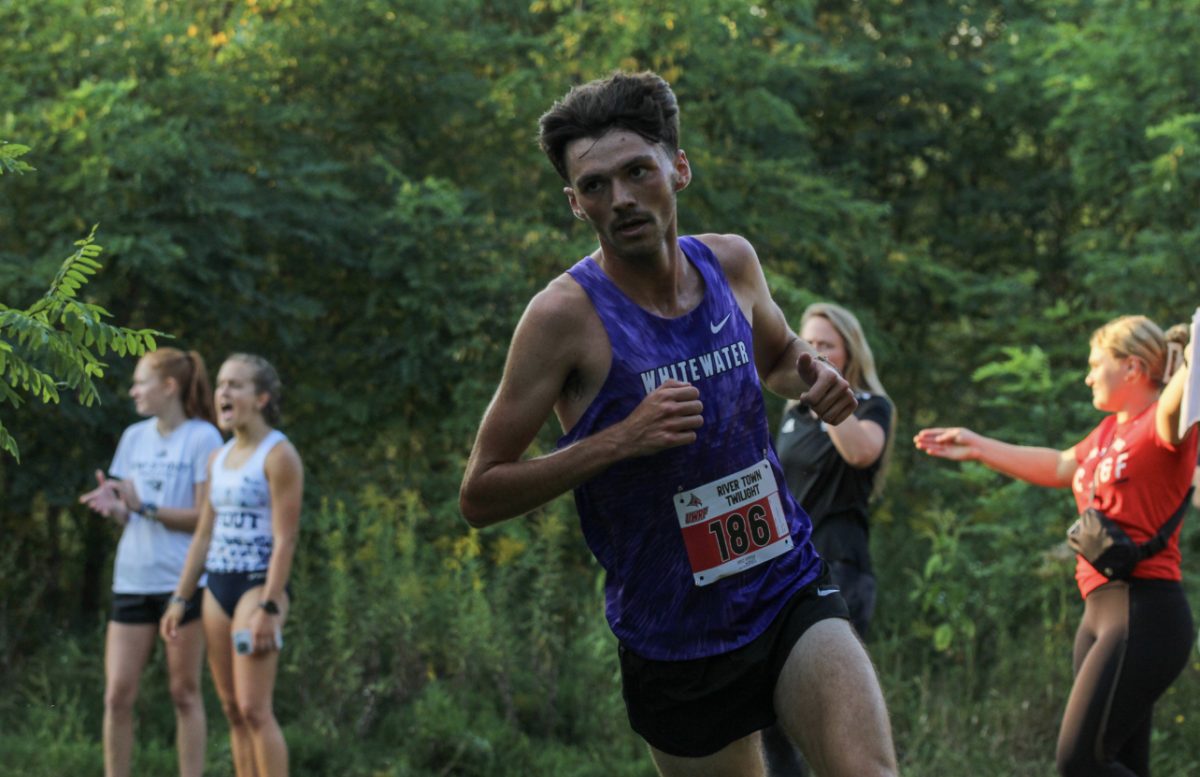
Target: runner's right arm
(551,343)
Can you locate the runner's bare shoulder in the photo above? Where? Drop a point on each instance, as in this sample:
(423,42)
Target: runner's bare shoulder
(561,321)
(735,254)
(742,270)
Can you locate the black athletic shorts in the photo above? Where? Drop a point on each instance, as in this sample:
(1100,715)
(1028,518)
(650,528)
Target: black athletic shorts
(148,608)
(694,708)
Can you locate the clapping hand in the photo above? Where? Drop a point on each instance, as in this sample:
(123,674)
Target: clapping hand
(106,499)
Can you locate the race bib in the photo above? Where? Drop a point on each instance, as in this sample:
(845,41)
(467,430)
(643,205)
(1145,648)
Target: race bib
(733,524)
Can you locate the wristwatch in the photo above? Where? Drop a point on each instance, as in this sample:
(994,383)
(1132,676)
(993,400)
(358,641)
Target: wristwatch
(149,510)
(269,606)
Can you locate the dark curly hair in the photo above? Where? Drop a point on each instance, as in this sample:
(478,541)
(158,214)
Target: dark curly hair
(638,102)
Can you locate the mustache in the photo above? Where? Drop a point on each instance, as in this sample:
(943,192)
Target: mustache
(632,220)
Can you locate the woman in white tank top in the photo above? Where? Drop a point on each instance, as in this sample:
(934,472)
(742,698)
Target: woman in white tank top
(245,540)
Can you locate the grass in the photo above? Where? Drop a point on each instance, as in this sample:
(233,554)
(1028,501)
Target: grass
(510,671)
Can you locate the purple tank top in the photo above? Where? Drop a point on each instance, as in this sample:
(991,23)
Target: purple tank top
(695,566)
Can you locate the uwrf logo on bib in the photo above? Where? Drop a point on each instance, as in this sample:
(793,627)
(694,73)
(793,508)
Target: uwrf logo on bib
(733,523)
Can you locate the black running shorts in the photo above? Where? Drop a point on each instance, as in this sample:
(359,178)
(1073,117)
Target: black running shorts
(695,708)
(148,608)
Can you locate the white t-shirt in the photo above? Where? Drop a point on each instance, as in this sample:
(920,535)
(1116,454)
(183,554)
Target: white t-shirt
(165,471)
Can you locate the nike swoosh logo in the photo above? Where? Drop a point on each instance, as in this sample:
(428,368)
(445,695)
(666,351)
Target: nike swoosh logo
(827,590)
(718,327)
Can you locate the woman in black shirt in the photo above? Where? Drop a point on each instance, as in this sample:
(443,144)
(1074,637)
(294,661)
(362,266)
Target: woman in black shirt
(835,472)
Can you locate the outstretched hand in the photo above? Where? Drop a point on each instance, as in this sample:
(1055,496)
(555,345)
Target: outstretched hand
(829,394)
(954,443)
(668,417)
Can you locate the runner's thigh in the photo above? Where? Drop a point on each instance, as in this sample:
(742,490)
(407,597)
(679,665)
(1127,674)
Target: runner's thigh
(828,700)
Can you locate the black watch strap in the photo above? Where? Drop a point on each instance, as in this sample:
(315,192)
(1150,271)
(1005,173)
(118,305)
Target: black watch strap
(270,606)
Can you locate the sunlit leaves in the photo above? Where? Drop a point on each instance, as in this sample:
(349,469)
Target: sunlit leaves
(56,342)
(10,158)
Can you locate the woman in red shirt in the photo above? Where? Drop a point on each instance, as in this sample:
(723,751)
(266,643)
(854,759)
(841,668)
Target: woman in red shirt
(1135,635)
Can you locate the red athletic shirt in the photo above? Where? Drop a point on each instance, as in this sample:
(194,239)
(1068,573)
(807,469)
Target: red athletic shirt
(1140,480)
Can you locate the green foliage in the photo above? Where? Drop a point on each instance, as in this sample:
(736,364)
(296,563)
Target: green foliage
(50,344)
(58,341)
(10,158)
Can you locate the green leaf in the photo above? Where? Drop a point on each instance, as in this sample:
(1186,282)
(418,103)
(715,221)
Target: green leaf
(943,636)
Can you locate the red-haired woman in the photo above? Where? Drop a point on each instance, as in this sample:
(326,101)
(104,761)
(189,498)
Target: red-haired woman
(153,489)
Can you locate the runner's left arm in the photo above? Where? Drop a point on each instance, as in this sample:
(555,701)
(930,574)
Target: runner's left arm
(786,364)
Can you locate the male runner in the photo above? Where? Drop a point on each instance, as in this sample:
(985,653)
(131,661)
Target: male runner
(650,352)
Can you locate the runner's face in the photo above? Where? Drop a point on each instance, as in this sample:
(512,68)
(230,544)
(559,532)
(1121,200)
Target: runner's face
(235,397)
(151,394)
(1109,378)
(624,186)
(826,341)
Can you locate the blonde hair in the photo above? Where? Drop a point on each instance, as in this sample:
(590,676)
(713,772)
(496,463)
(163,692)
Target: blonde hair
(1135,336)
(860,371)
(860,362)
